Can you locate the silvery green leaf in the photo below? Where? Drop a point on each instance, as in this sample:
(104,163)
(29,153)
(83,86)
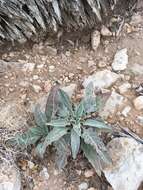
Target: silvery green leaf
(79,110)
(90,137)
(62,151)
(54,135)
(30,137)
(52,103)
(97,124)
(92,156)
(75,143)
(77,128)
(40,118)
(89,90)
(66,100)
(58,123)
(40,150)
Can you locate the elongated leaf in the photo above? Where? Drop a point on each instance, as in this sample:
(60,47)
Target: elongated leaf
(30,137)
(40,118)
(90,104)
(66,100)
(92,156)
(52,103)
(54,135)
(79,111)
(90,137)
(40,150)
(97,124)
(75,143)
(62,152)
(58,123)
(89,90)
(77,129)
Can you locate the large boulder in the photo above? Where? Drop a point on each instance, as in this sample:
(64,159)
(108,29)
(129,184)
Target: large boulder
(126,172)
(9,177)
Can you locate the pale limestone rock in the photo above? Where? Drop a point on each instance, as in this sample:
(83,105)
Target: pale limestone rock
(83,186)
(112,105)
(126,111)
(124,88)
(120,60)
(105,31)
(101,79)
(126,172)
(138,103)
(95,39)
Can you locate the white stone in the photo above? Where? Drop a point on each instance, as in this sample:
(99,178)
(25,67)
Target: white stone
(101,79)
(28,67)
(83,186)
(9,177)
(88,173)
(120,60)
(126,172)
(51,68)
(105,31)
(95,39)
(35,77)
(124,87)
(40,66)
(126,111)
(70,89)
(36,88)
(31,165)
(112,105)
(140,120)
(44,173)
(138,103)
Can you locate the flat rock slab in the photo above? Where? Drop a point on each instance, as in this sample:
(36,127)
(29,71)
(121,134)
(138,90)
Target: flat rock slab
(9,177)
(101,79)
(120,60)
(126,173)
(12,116)
(113,103)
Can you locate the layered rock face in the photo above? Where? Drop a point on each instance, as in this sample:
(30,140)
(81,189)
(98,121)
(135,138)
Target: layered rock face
(25,19)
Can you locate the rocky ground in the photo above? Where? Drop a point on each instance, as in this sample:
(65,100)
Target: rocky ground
(114,65)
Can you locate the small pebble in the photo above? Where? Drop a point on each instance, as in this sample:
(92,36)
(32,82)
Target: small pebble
(89,173)
(138,103)
(35,77)
(36,88)
(83,186)
(126,111)
(95,39)
(44,173)
(31,164)
(124,87)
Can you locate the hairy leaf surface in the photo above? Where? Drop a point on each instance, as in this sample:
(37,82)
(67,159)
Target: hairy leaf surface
(92,156)
(75,143)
